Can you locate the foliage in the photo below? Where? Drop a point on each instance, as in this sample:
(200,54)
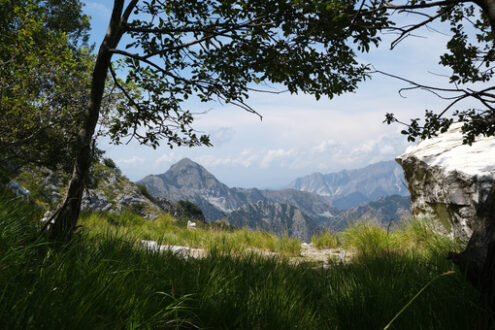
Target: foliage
(470,59)
(170,231)
(190,209)
(415,236)
(109,281)
(108,162)
(43,86)
(325,240)
(216,50)
(143,190)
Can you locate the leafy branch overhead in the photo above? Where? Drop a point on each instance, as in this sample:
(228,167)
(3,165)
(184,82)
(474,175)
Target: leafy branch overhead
(469,58)
(217,50)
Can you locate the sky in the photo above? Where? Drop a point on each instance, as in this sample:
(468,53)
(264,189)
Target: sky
(298,135)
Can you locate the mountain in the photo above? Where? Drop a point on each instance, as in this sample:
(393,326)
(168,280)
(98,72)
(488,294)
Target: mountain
(386,210)
(107,190)
(350,188)
(187,180)
(297,212)
(315,206)
(277,218)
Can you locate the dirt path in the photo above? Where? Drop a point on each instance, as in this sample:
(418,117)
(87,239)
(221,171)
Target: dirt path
(309,253)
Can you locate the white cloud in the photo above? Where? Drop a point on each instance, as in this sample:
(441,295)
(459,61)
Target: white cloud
(324,146)
(167,158)
(221,135)
(275,154)
(135,160)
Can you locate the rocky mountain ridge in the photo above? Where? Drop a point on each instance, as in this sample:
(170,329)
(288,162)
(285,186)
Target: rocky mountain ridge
(108,191)
(187,180)
(350,188)
(281,219)
(387,210)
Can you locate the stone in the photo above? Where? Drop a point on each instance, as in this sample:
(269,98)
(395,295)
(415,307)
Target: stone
(47,216)
(454,184)
(52,193)
(18,190)
(94,201)
(182,251)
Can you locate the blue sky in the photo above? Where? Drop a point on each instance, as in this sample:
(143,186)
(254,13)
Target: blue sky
(298,135)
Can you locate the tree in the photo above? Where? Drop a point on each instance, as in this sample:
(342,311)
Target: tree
(470,58)
(43,81)
(217,49)
(213,49)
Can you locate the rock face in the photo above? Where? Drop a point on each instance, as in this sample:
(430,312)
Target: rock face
(388,210)
(187,180)
(276,218)
(18,190)
(455,184)
(350,188)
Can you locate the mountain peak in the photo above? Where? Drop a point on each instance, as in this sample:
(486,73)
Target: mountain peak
(184,162)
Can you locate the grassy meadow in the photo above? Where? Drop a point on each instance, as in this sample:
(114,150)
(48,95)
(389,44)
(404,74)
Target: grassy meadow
(105,279)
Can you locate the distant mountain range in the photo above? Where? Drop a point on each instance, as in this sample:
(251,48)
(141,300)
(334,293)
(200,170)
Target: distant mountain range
(274,217)
(298,212)
(387,210)
(350,188)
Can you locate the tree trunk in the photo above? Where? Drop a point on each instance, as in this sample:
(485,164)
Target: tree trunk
(66,220)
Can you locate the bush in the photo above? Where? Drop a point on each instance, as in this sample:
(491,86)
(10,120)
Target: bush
(143,190)
(367,239)
(191,210)
(108,162)
(326,240)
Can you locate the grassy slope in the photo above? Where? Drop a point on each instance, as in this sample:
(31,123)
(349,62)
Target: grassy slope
(105,280)
(170,231)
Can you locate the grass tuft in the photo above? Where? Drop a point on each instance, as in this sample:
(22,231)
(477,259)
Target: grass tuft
(325,240)
(104,278)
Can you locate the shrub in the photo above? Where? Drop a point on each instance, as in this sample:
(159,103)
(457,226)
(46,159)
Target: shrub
(144,191)
(191,210)
(108,162)
(367,239)
(325,240)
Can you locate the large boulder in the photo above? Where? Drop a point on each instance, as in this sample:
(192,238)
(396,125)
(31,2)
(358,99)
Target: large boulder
(454,184)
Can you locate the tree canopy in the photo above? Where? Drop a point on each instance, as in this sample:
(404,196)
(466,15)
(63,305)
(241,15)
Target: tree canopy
(44,80)
(221,49)
(213,50)
(470,57)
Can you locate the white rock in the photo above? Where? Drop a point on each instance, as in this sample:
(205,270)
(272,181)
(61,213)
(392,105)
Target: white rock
(447,152)
(18,190)
(455,184)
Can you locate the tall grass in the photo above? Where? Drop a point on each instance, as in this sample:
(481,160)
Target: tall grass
(325,240)
(107,280)
(170,231)
(415,236)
